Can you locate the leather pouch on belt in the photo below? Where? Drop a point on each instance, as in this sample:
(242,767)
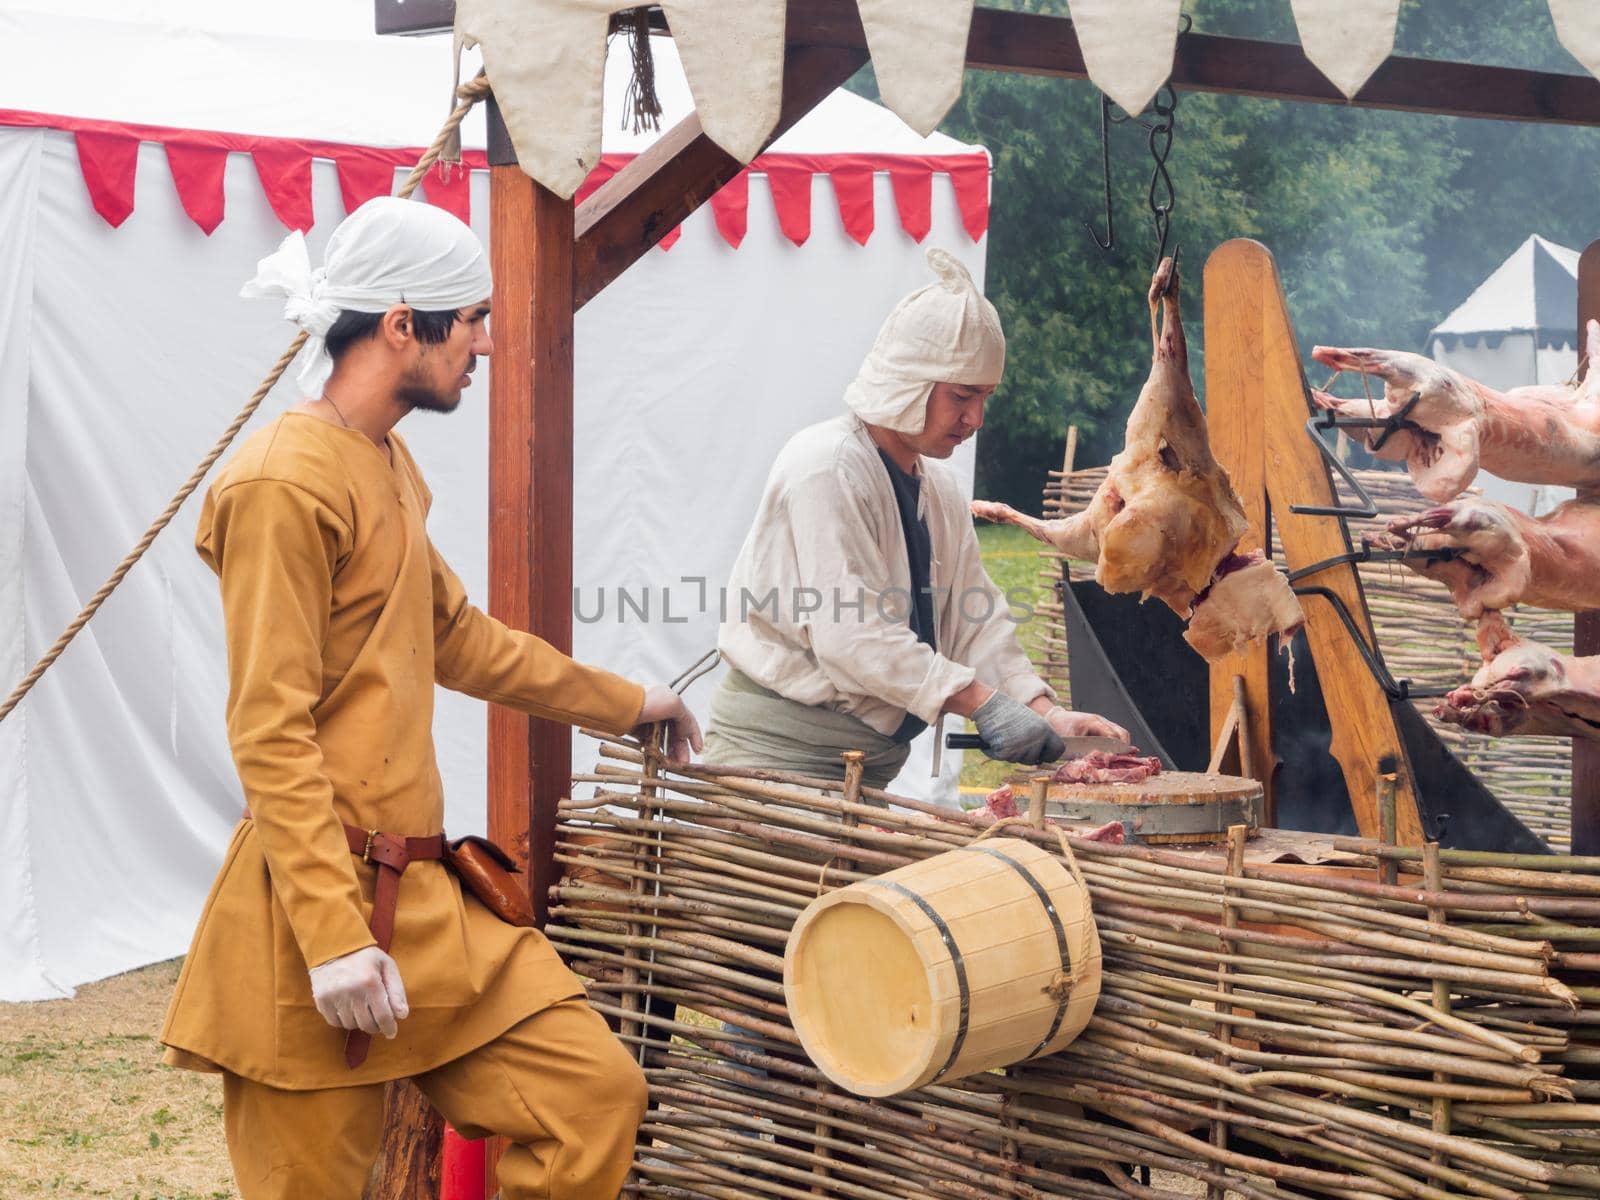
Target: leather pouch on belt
(491,875)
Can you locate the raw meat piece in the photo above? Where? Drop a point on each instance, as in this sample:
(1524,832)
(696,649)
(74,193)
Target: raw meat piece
(1248,600)
(1540,434)
(1525,688)
(1002,802)
(1112,833)
(997,806)
(1510,558)
(1166,521)
(1099,766)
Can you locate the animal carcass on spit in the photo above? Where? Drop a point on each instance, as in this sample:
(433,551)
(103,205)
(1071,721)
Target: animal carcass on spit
(1540,434)
(1507,557)
(1525,688)
(1166,521)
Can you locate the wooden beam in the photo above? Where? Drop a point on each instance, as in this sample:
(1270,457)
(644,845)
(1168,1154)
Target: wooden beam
(681,170)
(1247,317)
(1233,286)
(530,499)
(1586,625)
(1032,44)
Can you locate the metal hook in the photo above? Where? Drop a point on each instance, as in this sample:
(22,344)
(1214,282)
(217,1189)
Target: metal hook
(1365,507)
(1395,689)
(1105,168)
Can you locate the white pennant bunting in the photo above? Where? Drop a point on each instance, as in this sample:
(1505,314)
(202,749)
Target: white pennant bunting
(919,54)
(1347,40)
(1127,46)
(546,61)
(1578,27)
(732,54)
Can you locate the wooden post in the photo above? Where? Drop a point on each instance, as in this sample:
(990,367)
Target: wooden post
(1234,408)
(1257,405)
(530,497)
(1237,836)
(1586,625)
(407,1166)
(1433,882)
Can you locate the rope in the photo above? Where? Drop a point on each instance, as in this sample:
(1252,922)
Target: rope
(468,94)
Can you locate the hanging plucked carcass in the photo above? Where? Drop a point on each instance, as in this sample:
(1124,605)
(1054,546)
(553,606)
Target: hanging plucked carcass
(1166,522)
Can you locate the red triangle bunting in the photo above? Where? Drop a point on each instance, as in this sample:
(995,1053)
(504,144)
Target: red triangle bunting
(285,171)
(364,174)
(970,179)
(730,207)
(595,180)
(110,163)
(852,184)
(449,186)
(791,196)
(197,173)
(913,196)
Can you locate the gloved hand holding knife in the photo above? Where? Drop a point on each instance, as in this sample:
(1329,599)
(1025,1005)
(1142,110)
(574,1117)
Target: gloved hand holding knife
(1013,732)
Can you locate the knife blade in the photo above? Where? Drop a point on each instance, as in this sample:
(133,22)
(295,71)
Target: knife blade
(1073,746)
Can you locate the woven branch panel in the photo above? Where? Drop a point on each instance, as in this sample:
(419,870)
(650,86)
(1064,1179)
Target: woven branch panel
(1422,636)
(1285,1032)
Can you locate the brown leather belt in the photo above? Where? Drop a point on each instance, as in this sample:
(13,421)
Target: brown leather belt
(391,854)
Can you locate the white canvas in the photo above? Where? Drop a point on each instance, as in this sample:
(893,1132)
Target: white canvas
(126,352)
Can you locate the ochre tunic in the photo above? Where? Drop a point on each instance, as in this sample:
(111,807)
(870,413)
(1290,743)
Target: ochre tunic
(340,618)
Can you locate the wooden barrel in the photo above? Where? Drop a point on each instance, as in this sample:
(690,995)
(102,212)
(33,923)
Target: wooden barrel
(972,960)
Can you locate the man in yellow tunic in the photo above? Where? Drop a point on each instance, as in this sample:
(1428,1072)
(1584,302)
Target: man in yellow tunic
(340,618)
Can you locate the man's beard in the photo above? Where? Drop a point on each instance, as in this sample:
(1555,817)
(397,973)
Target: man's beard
(415,394)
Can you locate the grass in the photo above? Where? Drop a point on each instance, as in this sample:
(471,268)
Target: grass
(1012,559)
(90,1110)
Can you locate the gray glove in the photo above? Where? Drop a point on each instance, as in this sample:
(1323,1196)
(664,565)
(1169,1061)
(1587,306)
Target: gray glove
(1015,733)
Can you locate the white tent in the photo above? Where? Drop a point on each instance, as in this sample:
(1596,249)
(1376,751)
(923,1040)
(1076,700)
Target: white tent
(124,351)
(1518,327)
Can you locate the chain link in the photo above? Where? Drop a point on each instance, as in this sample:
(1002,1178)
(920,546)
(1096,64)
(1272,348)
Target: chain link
(1162,197)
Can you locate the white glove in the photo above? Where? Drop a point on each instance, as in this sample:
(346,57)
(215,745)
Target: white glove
(1067,723)
(661,703)
(361,990)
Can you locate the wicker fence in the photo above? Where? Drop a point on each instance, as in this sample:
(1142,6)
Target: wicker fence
(1262,1031)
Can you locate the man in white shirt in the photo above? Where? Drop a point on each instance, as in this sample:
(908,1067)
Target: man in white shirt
(859,609)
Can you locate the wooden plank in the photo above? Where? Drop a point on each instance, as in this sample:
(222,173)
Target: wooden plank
(1586,625)
(1364,730)
(1235,389)
(681,170)
(530,499)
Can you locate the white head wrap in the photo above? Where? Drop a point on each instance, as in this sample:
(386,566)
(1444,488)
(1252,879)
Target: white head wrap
(943,333)
(389,251)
